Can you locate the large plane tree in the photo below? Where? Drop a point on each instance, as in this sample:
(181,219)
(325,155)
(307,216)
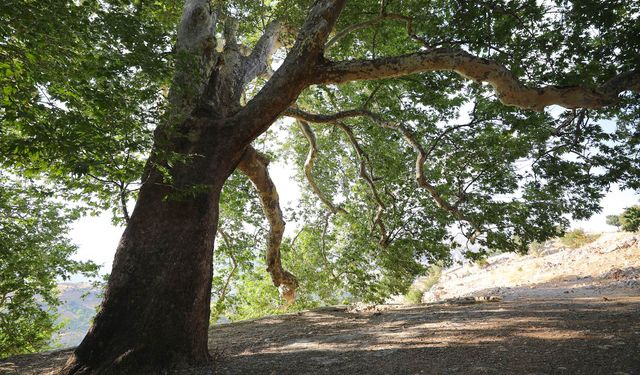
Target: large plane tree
(486,118)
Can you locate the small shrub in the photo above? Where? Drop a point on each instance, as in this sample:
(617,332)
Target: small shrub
(482,262)
(630,219)
(433,276)
(576,238)
(535,248)
(416,291)
(414,296)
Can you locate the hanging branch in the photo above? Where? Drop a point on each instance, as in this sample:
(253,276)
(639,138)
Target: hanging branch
(227,241)
(254,166)
(409,138)
(366,176)
(308,167)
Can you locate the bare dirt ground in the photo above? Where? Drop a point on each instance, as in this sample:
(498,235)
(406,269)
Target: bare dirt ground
(569,336)
(580,319)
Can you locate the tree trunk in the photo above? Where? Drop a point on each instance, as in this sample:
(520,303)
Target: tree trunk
(155,314)
(156,309)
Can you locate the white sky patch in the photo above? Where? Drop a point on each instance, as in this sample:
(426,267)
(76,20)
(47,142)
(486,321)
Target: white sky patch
(97,239)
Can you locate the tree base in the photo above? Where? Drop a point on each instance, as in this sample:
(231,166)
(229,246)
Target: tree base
(139,363)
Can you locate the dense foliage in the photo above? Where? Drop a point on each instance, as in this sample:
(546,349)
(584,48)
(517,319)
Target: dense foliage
(34,257)
(79,108)
(630,219)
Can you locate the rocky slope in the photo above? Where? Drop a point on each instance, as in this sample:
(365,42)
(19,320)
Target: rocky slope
(608,266)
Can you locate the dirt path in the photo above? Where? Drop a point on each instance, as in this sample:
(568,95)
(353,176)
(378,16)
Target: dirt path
(562,311)
(569,336)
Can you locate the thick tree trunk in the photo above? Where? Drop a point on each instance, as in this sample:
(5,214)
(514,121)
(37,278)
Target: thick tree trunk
(155,313)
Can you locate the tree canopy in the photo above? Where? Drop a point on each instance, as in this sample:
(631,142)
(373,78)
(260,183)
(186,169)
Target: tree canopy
(422,127)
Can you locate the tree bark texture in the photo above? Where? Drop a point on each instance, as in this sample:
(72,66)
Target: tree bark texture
(254,166)
(155,313)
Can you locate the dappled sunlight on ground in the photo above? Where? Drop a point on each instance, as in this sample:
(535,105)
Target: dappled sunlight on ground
(574,335)
(550,336)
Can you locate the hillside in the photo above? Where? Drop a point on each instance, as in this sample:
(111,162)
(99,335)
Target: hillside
(560,311)
(79,303)
(610,265)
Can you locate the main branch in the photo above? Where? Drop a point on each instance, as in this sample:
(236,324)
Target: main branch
(510,90)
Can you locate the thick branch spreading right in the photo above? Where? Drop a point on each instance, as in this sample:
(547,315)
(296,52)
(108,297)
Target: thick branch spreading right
(510,90)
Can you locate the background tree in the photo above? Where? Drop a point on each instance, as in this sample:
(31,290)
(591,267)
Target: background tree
(613,220)
(416,136)
(34,256)
(630,219)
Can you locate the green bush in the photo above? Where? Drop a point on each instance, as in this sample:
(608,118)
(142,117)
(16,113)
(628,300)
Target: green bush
(535,248)
(630,219)
(414,296)
(576,238)
(415,293)
(482,262)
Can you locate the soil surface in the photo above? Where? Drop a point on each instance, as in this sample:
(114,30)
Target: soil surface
(569,336)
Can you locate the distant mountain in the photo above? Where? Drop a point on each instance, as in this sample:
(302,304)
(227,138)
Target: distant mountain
(79,302)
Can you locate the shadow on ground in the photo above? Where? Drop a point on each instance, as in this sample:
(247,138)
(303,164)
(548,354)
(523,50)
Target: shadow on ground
(554,336)
(569,336)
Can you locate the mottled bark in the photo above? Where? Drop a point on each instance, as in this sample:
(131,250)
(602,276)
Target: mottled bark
(195,59)
(254,166)
(509,89)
